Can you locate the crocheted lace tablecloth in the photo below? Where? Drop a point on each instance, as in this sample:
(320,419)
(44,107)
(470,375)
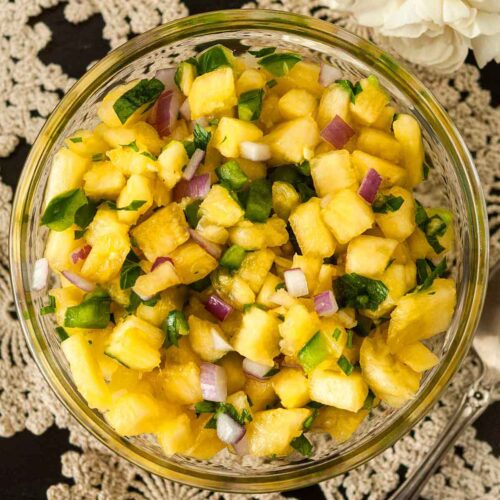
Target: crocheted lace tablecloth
(29,90)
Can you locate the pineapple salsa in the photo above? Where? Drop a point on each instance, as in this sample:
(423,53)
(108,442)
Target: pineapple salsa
(240,256)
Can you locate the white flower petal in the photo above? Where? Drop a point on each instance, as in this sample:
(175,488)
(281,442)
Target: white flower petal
(486,5)
(455,11)
(404,22)
(486,48)
(431,11)
(374,12)
(484,23)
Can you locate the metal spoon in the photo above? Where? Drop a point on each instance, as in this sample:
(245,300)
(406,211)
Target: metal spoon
(484,391)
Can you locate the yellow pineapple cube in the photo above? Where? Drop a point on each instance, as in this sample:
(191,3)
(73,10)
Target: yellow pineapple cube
(160,278)
(334,102)
(340,424)
(391,173)
(408,134)
(417,356)
(392,381)
(192,263)
(201,337)
(262,435)
(232,364)
(297,103)
(290,384)
(212,92)
(206,443)
(138,188)
(325,278)
(334,388)
(174,434)
(260,392)
(255,267)
(400,224)
(171,161)
(303,75)
(275,233)
(370,102)
(332,172)
(270,114)
(310,265)
(59,247)
(253,169)
(285,199)
(369,255)
(103,180)
(267,290)
(422,314)
(258,337)
(182,354)
(347,215)
(65,297)
(293,141)
(385,118)
(299,326)
(162,233)
(212,232)
(234,289)
(240,401)
(86,143)
(130,162)
(181,383)
(250,79)
(231,132)
(378,143)
(169,300)
(219,207)
(312,234)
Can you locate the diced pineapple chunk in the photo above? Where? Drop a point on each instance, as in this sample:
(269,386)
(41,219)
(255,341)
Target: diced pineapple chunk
(219,207)
(59,247)
(391,381)
(240,401)
(138,188)
(303,75)
(66,173)
(417,356)
(85,372)
(299,326)
(340,424)
(325,278)
(255,267)
(181,383)
(206,443)
(136,413)
(232,364)
(310,265)
(162,233)
(236,290)
(212,232)
(231,132)
(192,263)
(250,79)
(184,77)
(258,337)
(297,103)
(174,434)
(312,234)
(129,162)
(332,172)
(334,102)
(334,388)
(66,297)
(103,180)
(400,224)
(422,314)
(160,278)
(391,174)
(260,392)
(270,114)
(144,134)
(407,132)
(271,431)
(293,141)
(169,300)
(370,102)
(369,255)
(380,144)
(86,143)
(385,118)
(275,233)
(268,290)
(253,169)
(285,199)
(182,354)
(347,215)
(290,384)
(212,92)
(171,162)
(201,337)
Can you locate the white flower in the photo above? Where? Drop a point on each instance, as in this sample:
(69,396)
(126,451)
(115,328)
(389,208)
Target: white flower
(435,33)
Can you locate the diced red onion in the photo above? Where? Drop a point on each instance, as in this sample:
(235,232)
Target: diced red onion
(216,306)
(196,188)
(211,248)
(337,132)
(241,447)
(296,283)
(254,369)
(228,430)
(255,151)
(40,274)
(185,110)
(165,111)
(161,260)
(325,303)
(79,281)
(167,76)
(328,74)
(81,253)
(213,381)
(219,342)
(194,163)
(369,186)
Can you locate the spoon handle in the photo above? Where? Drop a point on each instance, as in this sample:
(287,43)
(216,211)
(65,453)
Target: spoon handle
(474,402)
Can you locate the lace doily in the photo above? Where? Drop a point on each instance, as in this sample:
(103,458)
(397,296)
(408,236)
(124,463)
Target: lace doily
(29,91)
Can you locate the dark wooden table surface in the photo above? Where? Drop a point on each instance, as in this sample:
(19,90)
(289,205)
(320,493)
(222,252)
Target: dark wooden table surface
(29,464)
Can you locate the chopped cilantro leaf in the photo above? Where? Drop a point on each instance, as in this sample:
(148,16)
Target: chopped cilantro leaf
(360,292)
(76,139)
(279,64)
(345,365)
(132,145)
(131,270)
(61,210)
(201,137)
(262,52)
(302,445)
(387,203)
(131,207)
(51,308)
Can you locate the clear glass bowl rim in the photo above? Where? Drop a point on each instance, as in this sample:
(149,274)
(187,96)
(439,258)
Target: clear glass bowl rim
(282,22)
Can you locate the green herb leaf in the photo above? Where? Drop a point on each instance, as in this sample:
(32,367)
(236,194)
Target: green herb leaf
(347,86)
(92,312)
(61,210)
(432,227)
(132,145)
(213,122)
(349,339)
(144,92)
(149,155)
(217,409)
(130,271)
(231,174)
(279,64)
(271,372)
(305,191)
(302,445)
(364,326)
(200,285)
(314,404)
(308,422)
(357,89)
(337,333)
(131,207)
(345,365)
(98,157)
(387,203)
(370,398)
(51,308)
(439,270)
(360,292)
(250,105)
(205,407)
(85,214)
(262,52)
(175,325)
(259,203)
(304,168)
(76,139)
(79,233)
(213,58)
(280,286)
(201,137)
(61,333)
(233,257)
(271,83)
(189,147)
(192,213)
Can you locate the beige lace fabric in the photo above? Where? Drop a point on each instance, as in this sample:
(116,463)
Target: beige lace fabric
(29,90)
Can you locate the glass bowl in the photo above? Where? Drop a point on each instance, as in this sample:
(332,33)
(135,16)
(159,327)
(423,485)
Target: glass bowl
(454,183)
